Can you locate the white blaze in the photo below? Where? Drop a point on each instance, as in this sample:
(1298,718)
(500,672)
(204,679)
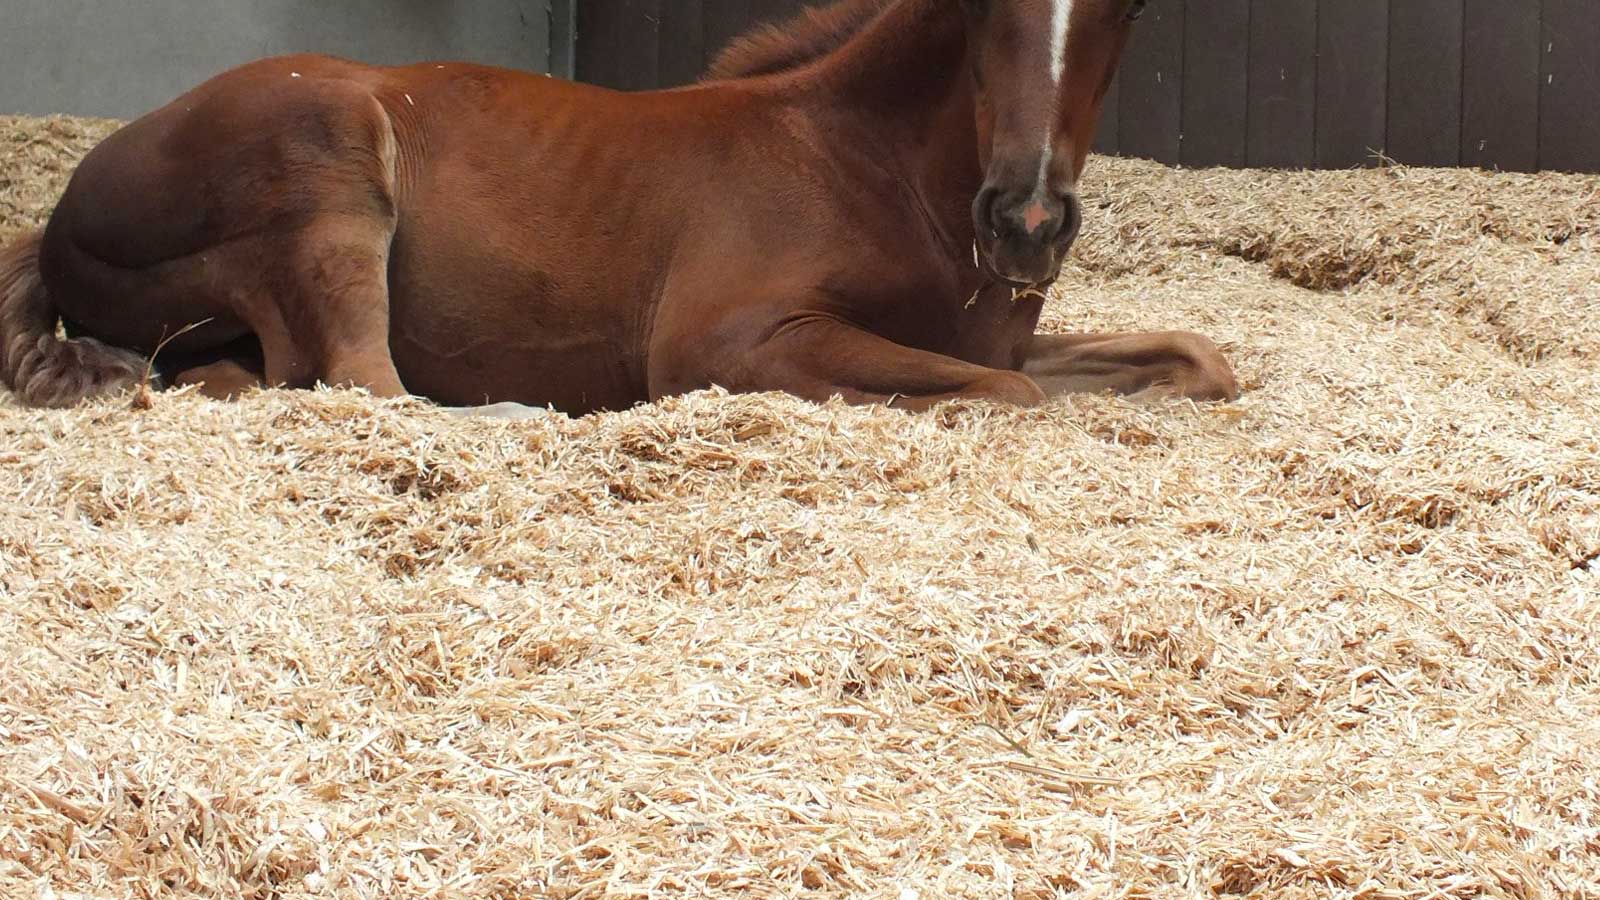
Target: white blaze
(1059,20)
(1060,24)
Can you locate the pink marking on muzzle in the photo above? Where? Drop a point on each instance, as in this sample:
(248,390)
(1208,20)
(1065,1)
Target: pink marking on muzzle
(1034,215)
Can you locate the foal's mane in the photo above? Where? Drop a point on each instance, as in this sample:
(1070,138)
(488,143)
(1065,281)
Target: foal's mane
(807,37)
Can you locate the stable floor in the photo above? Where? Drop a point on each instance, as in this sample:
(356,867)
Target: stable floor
(1340,639)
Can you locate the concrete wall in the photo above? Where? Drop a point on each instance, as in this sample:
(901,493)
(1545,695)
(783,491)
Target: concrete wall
(122,58)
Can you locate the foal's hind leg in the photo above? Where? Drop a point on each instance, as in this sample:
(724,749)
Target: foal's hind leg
(326,316)
(222,380)
(1173,364)
(222,373)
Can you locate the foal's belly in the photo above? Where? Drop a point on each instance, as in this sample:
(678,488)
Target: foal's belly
(570,373)
(469,331)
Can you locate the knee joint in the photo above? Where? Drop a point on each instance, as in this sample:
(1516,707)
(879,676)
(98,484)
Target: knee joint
(1206,373)
(1014,388)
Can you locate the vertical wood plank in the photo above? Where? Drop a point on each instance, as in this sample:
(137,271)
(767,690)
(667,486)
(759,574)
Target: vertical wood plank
(1216,82)
(1150,98)
(1569,105)
(1283,84)
(618,43)
(721,21)
(1500,85)
(1425,82)
(682,53)
(1352,81)
(1106,136)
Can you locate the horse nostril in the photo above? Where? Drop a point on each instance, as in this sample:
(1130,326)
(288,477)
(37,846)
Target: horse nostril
(1071,218)
(985,214)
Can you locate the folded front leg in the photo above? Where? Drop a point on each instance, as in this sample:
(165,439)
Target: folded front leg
(819,357)
(1170,363)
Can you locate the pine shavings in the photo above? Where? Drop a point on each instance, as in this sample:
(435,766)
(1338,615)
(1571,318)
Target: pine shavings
(1339,639)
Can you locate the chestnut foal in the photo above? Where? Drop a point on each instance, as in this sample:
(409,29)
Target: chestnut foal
(864,202)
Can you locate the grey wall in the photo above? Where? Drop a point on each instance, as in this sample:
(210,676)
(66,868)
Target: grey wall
(122,58)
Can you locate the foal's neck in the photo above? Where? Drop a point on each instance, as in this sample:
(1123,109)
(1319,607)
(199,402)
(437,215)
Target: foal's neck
(910,56)
(904,80)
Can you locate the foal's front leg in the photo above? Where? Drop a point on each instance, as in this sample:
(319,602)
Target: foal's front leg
(1169,363)
(819,357)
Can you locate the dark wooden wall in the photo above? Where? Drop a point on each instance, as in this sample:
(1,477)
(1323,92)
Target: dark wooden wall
(641,44)
(1510,84)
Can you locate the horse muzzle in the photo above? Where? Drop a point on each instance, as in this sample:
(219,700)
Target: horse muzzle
(1024,235)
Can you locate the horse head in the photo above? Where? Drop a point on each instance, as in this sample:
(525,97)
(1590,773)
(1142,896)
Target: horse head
(1040,70)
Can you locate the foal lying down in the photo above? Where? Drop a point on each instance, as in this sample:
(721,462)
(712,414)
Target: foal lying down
(865,202)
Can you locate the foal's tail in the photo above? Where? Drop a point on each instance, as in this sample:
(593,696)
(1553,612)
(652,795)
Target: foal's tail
(40,368)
